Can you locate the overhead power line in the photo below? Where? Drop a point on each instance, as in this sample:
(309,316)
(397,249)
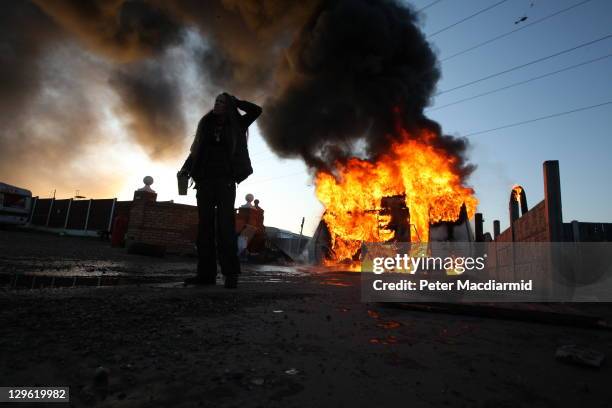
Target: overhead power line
(463,20)
(514,31)
(554,115)
(519,83)
(480,132)
(433,3)
(556,54)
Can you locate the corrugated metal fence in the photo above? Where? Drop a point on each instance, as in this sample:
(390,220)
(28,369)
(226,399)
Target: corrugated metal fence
(80,215)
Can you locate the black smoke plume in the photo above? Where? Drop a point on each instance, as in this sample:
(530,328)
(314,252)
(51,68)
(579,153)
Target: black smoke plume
(151,99)
(354,67)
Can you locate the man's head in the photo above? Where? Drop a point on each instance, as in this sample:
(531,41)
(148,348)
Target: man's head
(221,104)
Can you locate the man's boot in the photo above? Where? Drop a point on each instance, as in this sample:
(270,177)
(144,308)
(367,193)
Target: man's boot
(231,281)
(201,280)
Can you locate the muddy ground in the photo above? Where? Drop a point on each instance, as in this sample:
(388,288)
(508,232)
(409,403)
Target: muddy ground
(288,337)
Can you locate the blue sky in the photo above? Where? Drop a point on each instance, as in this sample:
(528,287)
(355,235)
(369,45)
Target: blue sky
(581,141)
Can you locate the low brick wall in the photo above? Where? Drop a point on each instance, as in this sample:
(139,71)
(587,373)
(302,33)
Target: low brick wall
(173,226)
(530,227)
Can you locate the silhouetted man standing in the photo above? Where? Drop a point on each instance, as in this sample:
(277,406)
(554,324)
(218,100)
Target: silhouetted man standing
(218,160)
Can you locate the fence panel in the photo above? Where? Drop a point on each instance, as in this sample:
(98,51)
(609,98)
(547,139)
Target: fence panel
(100,214)
(41,211)
(78,214)
(58,214)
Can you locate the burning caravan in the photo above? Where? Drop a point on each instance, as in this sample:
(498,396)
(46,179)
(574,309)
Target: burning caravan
(414,192)
(15,204)
(393,221)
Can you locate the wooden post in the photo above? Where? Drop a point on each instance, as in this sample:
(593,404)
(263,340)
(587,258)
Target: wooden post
(552,200)
(554,226)
(496,229)
(478,227)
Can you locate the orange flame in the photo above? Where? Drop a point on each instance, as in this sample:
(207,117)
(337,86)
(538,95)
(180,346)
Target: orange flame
(517,190)
(427,175)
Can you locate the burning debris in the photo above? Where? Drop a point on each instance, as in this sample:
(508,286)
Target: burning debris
(518,202)
(361,197)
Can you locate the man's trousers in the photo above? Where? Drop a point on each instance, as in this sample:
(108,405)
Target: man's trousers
(217,228)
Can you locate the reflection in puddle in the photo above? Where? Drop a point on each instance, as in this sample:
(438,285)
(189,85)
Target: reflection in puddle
(45,273)
(71,268)
(373,314)
(389,324)
(335,282)
(36,281)
(383,340)
(275,269)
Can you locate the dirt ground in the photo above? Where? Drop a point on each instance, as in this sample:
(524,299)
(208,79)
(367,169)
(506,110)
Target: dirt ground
(289,336)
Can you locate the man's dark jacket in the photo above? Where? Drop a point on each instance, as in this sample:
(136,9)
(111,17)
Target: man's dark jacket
(235,142)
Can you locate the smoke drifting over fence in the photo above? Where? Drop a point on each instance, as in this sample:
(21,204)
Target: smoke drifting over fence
(334,76)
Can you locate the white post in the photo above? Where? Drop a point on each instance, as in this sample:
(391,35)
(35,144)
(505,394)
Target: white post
(49,213)
(87,216)
(67,213)
(33,209)
(110,220)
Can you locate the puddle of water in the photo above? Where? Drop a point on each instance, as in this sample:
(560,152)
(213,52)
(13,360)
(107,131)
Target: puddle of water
(178,284)
(31,273)
(262,279)
(71,268)
(335,282)
(35,281)
(292,270)
(321,269)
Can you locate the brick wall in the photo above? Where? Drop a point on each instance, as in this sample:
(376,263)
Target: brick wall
(512,262)
(505,236)
(173,226)
(531,227)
